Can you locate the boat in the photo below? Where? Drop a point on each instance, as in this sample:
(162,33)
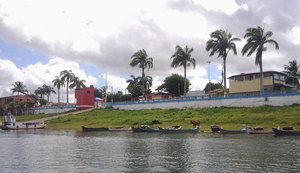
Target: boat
(278,132)
(119,129)
(178,129)
(215,128)
(94,129)
(144,128)
(11,124)
(258,131)
(241,131)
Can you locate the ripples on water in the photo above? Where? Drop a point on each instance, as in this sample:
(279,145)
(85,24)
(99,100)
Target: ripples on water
(63,151)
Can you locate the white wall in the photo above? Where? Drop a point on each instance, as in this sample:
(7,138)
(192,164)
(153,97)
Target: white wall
(226,102)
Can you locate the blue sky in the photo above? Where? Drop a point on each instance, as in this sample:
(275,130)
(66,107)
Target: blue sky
(41,38)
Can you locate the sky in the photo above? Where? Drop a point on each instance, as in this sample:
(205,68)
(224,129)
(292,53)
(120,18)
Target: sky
(96,38)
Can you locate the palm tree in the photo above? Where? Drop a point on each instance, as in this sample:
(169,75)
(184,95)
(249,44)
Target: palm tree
(133,80)
(57,82)
(293,71)
(67,76)
(256,39)
(48,90)
(40,91)
(182,57)
(77,83)
(221,42)
(19,87)
(141,59)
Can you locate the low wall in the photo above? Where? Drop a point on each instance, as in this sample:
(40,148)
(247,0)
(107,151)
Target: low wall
(282,100)
(52,109)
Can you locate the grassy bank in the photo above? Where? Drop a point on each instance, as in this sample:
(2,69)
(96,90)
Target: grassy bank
(232,118)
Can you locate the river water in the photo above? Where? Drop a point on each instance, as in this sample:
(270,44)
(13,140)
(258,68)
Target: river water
(70,151)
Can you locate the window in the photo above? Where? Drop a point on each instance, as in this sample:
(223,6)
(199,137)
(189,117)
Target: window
(257,76)
(267,74)
(239,78)
(88,92)
(249,77)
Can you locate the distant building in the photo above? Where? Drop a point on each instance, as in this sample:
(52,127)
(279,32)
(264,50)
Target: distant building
(85,97)
(250,82)
(158,96)
(18,98)
(196,93)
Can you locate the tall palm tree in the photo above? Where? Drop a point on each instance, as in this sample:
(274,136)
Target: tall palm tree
(182,57)
(293,71)
(19,87)
(77,83)
(221,42)
(133,80)
(141,59)
(57,82)
(48,90)
(40,91)
(67,76)
(256,40)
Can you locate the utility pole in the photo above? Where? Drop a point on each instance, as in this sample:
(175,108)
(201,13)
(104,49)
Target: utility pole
(209,83)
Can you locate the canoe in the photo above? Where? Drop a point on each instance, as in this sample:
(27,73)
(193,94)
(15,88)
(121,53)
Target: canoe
(93,129)
(23,126)
(242,131)
(258,131)
(278,132)
(179,130)
(119,129)
(215,128)
(144,128)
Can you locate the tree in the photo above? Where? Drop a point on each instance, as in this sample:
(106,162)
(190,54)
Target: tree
(40,91)
(182,57)
(48,90)
(134,86)
(141,59)
(19,87)
(212,86)
(221,42)
(292,69)
(256,40)
(100,92)
(67,76)
(57,82)
(174,85)
(77,83)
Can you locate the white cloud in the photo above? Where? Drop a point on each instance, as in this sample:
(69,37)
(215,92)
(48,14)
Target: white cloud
(35,75)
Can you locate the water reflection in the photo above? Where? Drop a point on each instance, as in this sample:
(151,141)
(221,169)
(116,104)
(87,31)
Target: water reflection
(70,151)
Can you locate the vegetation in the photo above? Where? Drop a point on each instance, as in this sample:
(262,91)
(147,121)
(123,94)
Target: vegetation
(212,86)
(182,57)
(67,76)
(57,82)
(229,118)
(173,85)
(292,69)
(19,87)
(141,59)
(256,40)
(221,42)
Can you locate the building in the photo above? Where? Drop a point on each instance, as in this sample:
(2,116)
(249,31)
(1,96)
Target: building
(250,82)
(157,96)
(85,97)
(17,98)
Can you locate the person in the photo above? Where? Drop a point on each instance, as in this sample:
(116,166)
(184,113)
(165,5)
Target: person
(195,123)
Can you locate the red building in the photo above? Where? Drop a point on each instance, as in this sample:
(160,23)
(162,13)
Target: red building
(20,98)
(85,97)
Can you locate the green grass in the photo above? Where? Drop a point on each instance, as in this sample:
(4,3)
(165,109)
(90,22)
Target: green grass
(230,118)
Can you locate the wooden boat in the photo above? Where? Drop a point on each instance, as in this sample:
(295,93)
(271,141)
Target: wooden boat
(215,128)
(11,124)
(144,128)
(178,129)
(278,132)
(94,129)
(258,131)
(241,131)
(119,129)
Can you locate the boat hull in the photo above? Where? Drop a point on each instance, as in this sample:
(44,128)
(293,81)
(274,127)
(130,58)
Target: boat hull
(259,132)
(179,130)
(119,129)
(24,126)
(223,131)
(278,132)
(91,129)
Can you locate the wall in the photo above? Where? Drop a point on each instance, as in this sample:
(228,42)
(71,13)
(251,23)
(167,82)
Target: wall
(206,103)
(248,85)
(51,110)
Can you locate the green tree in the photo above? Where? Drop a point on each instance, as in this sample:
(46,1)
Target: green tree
(212,86)
(67,76)
(221,42)
(292,69)
(48,90)
(134,86)
(100,92)
(182,57)
(174,85)
(256,40)
(40,91)
(58,83)
(141,59)
(77,83)
(19,87)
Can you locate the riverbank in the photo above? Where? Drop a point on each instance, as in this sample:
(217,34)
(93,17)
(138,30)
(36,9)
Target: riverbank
(233,118)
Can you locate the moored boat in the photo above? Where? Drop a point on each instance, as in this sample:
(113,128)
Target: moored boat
(93,129)
(144,128)
(11,124)
(278,132)
(258,131)
(119,129)
(178,129)
(215,128)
